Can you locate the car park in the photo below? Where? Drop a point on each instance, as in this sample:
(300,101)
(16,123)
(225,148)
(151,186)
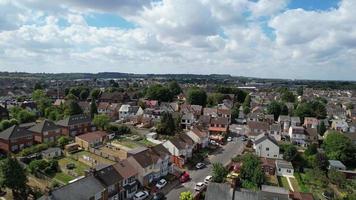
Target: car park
(141,195)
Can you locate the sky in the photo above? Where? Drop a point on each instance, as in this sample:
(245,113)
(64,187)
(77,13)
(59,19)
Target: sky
(294,39)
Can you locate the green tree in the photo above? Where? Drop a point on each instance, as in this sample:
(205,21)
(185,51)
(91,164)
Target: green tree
(235,111)
(186,196)
(73,109)
(339,147)
(84,94)
(159,92)
(319,109)
(320,161)
(62,141)
(276,108)
(214,99)
(337,178)
(166,125)
(300,91)
(95,93)
(101,121)
(247,101)
(289,152)
(42,101)
(25,116)
(13,176)
(93,108)
(321,128)
(251,170)
(316,177)
(37,165)
(311,150)
(196,96)
(174,87)
(287,96)
(219,172)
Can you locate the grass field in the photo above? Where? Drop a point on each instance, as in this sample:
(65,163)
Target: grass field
(79,167)
(283,182)
(62,177)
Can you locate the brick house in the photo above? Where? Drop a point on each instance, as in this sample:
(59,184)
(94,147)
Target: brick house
(15,139)
(76,124)
(46,131)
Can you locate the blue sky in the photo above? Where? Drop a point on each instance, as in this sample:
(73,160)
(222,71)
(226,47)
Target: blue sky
(304,39)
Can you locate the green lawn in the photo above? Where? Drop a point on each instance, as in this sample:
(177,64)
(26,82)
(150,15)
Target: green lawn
(271,180)
(62,177)
(295,184)
(79,167)
(283,182)
(300,179)
(146,143)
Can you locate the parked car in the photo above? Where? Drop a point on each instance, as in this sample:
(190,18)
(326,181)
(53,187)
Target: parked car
(184,177)
(328,195)
(159,196)
(229,139)
(161,183)
(199,186)
(200,165)
(140,195)
(213,142)
(208,179)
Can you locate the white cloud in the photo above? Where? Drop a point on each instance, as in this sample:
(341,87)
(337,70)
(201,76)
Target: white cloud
(200,36)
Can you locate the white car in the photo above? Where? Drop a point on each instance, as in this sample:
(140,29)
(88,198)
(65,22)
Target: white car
(229,139)
(199,186)
(208,179)
(161,183)
(140,195)
(213,142)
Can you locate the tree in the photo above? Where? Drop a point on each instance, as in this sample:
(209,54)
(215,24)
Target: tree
(159,92)
(95,93)
(73,109)
(37,165)
(196,96)
(84,94)
(174,87)
(186,196)
(13,176)
(316,177)
(290,152)
(276,108)
(247,101)
(300,91)
(166,125)
(42,101)
(320,161)
(336,177)
(93,108)
(319,109)
(321,128)
(311,150)
(339,147)
(287,96)
(246,110)
(219,172)
(101,121)
(251,170)
(214,99)
(235,111)
(25,116)
(62,141)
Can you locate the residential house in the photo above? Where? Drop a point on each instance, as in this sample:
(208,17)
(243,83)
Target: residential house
(255,117)
(127,111)
(284,121)
(218,128)
(85,106)
(15,139)
(303,136)
(204,121)
(169,107)
(151,103)
(129,175)
(181,149)
(199,136)
(255,128)
(91,139)
(151,163)
(187,120)
(212,112)
(284,168)
(151,113)
(195,109)
(336,164)
(266,147)
(88,187)
(46,131)
(268,166)
(311,122)
(351,113)
(225,113)
(269,119)
(340,125)
(76,124)
(52,152)
(4,113)
(114,97)
(111,180)
(295,121)
(276,131)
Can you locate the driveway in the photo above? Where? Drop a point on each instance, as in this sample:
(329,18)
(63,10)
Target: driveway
(223,156)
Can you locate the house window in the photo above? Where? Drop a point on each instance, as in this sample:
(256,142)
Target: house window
(267,149)
(289,171)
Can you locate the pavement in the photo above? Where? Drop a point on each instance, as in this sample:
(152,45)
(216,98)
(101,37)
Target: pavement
(223,155)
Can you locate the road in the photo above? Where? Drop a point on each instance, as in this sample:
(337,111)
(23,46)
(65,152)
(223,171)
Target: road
(223,156)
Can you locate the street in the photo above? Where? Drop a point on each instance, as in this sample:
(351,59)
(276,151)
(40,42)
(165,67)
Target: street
(223,156)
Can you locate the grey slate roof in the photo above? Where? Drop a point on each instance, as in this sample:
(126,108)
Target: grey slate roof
(15,132)
(82,189)
(265,137)
(219,191)
(284,164)
(45,125)
(108,176)
(74,119)
(50,150)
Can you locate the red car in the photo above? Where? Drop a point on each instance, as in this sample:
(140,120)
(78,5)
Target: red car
(184,177)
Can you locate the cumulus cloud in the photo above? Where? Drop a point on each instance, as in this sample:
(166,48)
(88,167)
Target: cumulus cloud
(170,36)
